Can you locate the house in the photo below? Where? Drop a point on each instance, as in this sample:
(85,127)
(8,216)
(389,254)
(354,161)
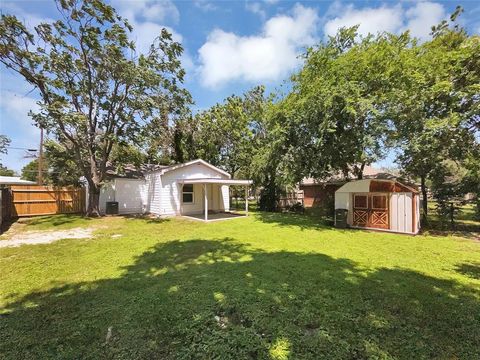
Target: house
(379,204)
(196,189)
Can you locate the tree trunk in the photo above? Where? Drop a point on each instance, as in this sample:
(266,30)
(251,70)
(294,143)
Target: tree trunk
(93,209)
(360,171)
(423,188)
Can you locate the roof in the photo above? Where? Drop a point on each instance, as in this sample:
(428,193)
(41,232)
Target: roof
(193,162)
(15,180)
(375,185)
(369,172)
(214,181)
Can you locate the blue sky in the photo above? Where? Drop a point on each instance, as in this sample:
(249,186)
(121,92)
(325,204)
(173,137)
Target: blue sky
(230,46)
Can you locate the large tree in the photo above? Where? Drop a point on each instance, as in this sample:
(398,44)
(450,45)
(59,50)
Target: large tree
(435,106)
(95,90)
(223,134)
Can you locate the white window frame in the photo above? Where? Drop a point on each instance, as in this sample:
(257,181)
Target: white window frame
(354,201)
(188,192)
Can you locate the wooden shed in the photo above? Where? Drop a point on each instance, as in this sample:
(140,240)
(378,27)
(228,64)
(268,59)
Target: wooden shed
(386,205)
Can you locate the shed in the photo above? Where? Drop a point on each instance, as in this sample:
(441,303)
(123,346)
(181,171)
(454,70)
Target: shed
(386,205)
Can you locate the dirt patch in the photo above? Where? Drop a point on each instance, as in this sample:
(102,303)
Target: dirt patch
(46,237)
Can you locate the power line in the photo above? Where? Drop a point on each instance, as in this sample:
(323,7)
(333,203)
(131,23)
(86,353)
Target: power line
(20,148)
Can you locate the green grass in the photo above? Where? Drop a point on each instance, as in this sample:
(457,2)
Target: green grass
(271,286)
(465,220)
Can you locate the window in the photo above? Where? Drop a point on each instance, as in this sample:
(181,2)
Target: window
(379,202)
(187,194)
(360,201)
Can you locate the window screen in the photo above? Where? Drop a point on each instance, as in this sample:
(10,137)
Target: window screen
(187,194)
(379,202)
(360,201)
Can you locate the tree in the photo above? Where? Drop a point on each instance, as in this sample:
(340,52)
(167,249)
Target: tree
(95,90)
(4,143)
(223,134)
(435,106)
(30,171)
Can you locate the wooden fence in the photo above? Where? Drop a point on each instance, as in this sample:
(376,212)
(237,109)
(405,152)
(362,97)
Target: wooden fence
(32,200)
(291,199)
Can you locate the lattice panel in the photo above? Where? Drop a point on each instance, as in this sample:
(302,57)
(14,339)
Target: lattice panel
(379,219)
(360,217)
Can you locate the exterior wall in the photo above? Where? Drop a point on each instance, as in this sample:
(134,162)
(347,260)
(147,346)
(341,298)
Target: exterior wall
(131,195)
(404,215)
(321,195)
(164,193)
(107,193)
(401,214)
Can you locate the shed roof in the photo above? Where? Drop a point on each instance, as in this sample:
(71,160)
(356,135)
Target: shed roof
(375,185)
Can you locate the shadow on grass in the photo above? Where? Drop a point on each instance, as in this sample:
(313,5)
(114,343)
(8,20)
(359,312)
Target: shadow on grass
(54,220)
(292,220)
(470,270)
(149,218)
(217,299)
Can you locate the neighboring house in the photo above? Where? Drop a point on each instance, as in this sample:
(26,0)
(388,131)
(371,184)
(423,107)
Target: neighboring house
(193,188)
(386,205)
(14,180)
(321,194)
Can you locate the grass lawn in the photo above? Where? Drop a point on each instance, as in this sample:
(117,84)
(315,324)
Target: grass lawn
(271,286)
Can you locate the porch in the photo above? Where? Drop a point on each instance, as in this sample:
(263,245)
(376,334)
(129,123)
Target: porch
(207,199)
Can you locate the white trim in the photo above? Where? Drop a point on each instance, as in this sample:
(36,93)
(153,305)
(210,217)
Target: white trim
(215,181)
(188,192)
(193,162)
(384,230)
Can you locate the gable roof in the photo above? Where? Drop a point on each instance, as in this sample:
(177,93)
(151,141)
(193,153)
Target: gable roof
(189,163)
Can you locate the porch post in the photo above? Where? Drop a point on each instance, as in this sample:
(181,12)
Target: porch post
(206,201)
(246,200)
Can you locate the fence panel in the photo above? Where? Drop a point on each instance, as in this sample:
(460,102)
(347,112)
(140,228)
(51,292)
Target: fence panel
(34,200)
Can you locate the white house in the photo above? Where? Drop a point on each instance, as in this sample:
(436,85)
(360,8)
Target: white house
(190,189)
(386,205)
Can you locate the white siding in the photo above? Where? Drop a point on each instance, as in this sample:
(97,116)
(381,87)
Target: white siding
(107,193)
(131,195)
(401,212)
(164,193)
(225,197)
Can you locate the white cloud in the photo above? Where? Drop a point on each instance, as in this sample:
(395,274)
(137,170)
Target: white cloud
(422,17)
(148,10)
(147,18)
(265,57)
(371,20)
(418,17)
(29,19)
(256,8)
(204,5)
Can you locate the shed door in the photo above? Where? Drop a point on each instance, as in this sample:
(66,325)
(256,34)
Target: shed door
(371,210)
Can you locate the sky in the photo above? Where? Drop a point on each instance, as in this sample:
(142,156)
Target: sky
(230,46)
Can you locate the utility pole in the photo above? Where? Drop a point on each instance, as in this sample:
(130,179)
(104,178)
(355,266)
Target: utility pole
(40,159)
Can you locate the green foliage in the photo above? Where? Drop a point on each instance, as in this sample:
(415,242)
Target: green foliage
(5,171)
(435,109)
(224,134)
(4,143)
(30,171)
